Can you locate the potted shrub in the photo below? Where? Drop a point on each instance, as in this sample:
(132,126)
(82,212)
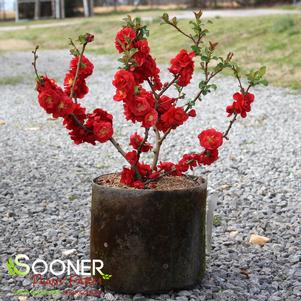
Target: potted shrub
(148,219)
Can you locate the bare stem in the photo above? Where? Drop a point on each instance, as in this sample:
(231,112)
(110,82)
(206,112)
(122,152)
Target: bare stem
(139,150)
(123,154)
(168,86)
(34,63)
(157,148)
(225,135)
(74,117)
(189,36)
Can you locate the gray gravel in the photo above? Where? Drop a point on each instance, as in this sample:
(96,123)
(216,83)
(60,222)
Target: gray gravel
(45,184)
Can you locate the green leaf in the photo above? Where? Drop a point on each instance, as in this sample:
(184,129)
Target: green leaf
(264,82)
(204,58)
(262,71)
(165,17)
(196,49)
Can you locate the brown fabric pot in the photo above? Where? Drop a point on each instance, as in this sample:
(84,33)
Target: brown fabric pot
(150,241)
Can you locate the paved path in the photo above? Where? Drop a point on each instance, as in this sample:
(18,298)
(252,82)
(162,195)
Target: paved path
(238,13)
(178,14)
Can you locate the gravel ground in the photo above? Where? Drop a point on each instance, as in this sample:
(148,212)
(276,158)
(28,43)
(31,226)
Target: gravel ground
(45,185)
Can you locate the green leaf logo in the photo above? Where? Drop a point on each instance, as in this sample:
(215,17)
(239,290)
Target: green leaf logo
(106,276)
(12,270)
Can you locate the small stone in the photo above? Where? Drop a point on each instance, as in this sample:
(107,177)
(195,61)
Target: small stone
(183,293)
(2,122)
(295,259)
(139,297)
(68,252)
(22,298)
(258,240)
(283,204)
(109,296)
(233,234)
(26,282)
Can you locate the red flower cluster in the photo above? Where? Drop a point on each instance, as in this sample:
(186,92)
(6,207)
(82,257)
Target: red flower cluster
(129,177)
(82,127)
(172,118)
(211,140)
(85,70)
(100,122)
(139,104)
(241,105)
(182,66)
(53,99)
(152,109)
(125,39)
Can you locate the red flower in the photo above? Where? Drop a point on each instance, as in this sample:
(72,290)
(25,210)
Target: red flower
(192,113)
(103,131)
(208,157)
(165,104)
(241,105)
(53,100)
(142,46)
(89,37)
(127,176)
(142,53)
(124,83)
(182,66)
(139,106)
(132,157)
(211,139)
(135,142)
(124,39)
(77,133)
(169,168)
(148,70)
(173,118)
(80,114)
(150,119)
(47,83)
(188,161)
(86,67)
(144,170)
(100,123)
(80,88)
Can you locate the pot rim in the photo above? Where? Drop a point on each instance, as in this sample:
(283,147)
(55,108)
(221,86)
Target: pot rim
(202,186)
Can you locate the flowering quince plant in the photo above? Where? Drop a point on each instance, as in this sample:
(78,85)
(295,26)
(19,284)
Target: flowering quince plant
(145,100)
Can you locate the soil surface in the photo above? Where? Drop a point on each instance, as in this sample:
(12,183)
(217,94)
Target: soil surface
(165,183)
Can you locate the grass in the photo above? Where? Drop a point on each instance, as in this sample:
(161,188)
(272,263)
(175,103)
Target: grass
(273,40)
(290,7)
(11,80)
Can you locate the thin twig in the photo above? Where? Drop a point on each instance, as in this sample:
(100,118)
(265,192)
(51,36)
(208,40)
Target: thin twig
(225,135)
(189,36)
(139,150)
(123,154)
(157,148)
(168,86)
(34,63)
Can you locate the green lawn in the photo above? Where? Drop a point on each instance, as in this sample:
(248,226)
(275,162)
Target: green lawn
(274,41)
